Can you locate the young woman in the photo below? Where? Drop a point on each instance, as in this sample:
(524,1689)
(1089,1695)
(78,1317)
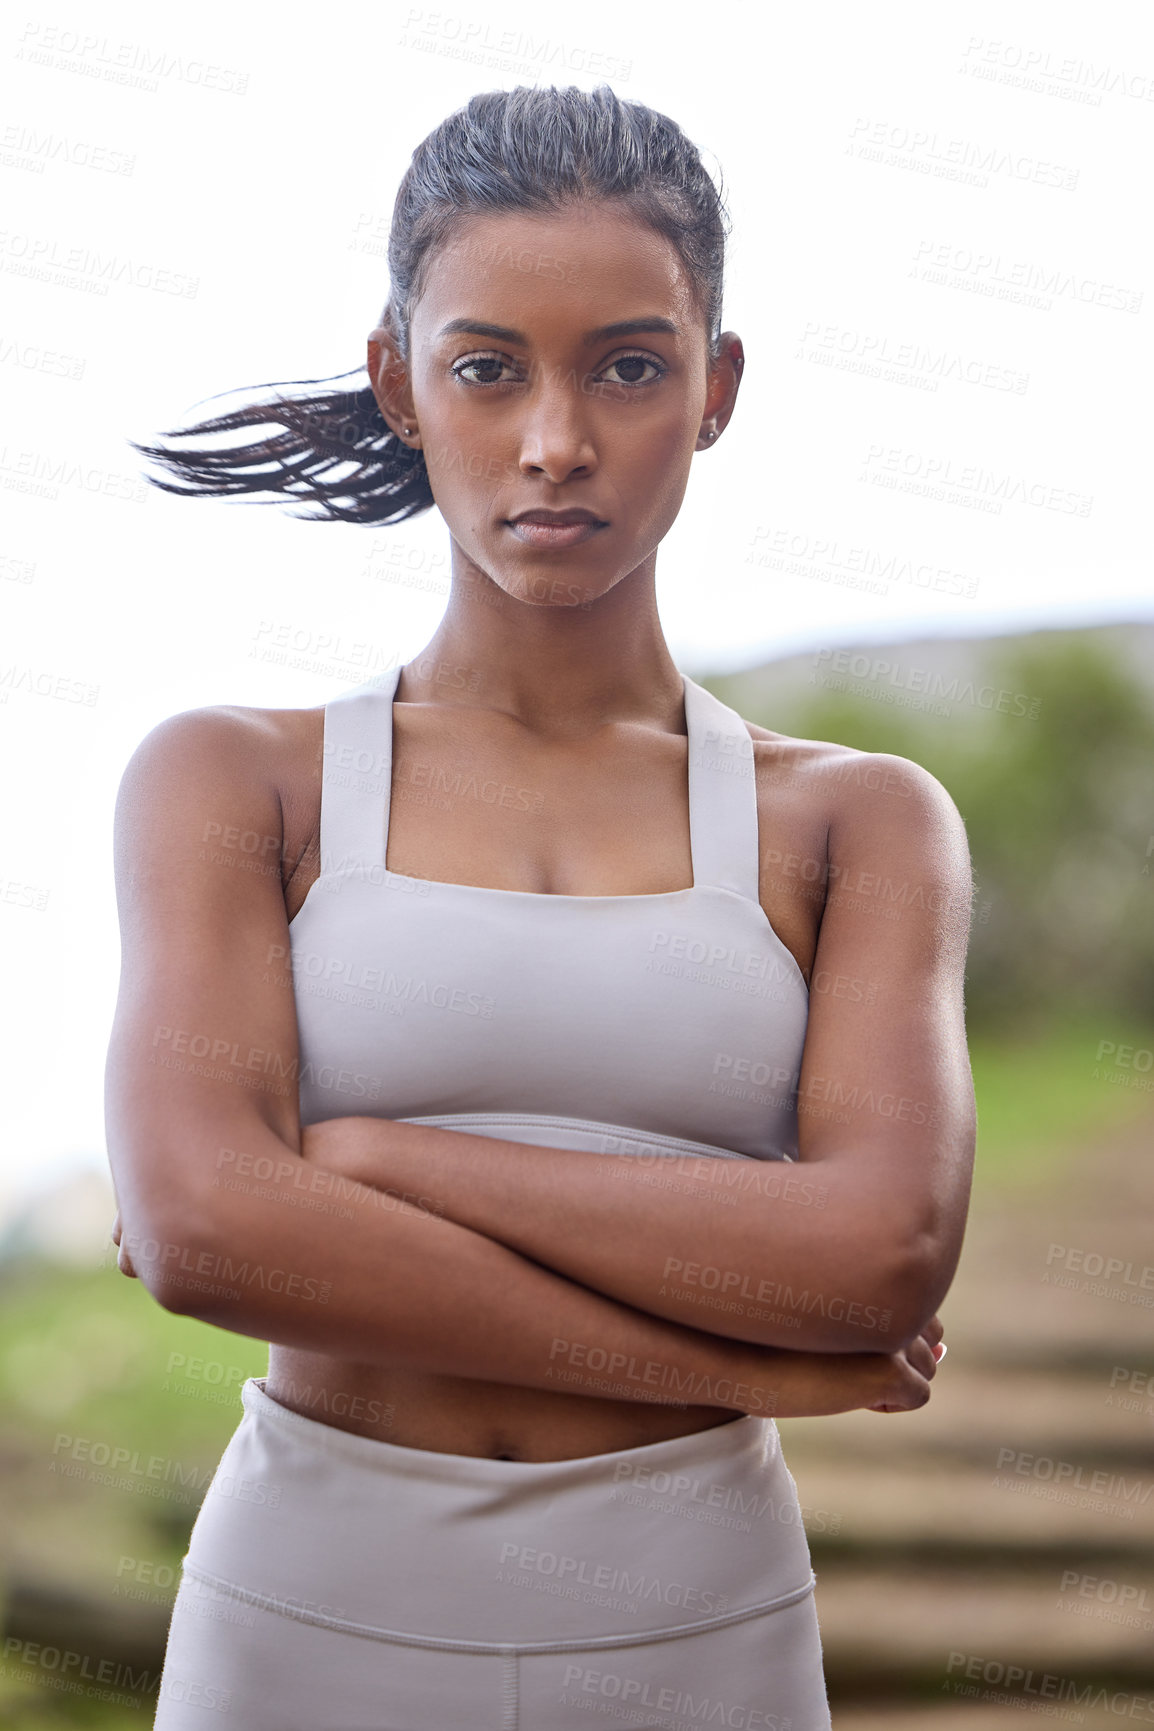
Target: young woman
(562,1130)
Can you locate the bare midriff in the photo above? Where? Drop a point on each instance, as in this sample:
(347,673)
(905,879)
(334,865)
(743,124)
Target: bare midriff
(458,1415)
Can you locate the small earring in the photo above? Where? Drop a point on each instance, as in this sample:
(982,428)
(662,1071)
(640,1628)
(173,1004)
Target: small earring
(712,433)
(407,429)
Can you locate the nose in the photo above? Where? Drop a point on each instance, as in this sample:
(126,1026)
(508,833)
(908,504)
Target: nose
(556,438)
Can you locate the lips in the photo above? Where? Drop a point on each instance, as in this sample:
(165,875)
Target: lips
(554,531)
(556,519)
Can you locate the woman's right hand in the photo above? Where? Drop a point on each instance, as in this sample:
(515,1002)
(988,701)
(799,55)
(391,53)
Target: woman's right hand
(905,1376)
(819,1384)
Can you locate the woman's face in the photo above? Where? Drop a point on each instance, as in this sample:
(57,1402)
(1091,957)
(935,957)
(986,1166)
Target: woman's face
(549,410)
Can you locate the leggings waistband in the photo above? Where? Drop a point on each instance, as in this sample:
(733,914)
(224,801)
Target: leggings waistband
(477,1555)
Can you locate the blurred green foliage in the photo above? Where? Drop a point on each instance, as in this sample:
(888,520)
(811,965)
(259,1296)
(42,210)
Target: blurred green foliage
(90,1365)
(1059,810)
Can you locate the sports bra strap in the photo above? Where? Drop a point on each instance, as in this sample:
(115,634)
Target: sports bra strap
(722,794)
(357,775)
(357,780)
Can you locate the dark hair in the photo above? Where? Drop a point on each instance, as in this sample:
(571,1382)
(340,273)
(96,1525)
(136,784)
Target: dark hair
(531,148)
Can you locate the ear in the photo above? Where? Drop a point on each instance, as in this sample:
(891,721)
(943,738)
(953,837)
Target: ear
(721,394)
(389,378)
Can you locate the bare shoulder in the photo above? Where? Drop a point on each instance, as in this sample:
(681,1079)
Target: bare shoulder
(870,844)
(250,777)
(211,754)
(231,735)
(877,791)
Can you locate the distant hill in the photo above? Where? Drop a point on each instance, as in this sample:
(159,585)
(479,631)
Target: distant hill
(774,692)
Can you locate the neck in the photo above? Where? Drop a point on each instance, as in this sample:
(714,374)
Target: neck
(561,668)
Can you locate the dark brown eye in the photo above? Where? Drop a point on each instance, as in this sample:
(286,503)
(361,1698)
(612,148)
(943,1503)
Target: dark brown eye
(482,361)
(630,361)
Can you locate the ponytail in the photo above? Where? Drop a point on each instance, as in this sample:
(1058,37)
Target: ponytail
(318,434)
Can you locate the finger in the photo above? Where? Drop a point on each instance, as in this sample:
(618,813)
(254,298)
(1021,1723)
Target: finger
(917,1393)
(910,1390)
(920,1355)
(933,1330)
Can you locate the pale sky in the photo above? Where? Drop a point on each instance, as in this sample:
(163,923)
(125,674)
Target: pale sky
(940,267)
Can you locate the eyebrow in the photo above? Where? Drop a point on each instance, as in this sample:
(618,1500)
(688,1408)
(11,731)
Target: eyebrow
(502,333)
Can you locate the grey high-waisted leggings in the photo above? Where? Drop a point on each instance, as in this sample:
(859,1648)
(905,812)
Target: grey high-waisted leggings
(338,1583)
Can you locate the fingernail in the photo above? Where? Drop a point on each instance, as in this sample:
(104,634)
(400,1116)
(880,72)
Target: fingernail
(940,1351)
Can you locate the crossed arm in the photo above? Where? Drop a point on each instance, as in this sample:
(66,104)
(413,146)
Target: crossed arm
(528,1233)
(851,1250)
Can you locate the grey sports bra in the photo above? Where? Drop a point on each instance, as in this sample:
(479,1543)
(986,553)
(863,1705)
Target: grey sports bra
(670,1023)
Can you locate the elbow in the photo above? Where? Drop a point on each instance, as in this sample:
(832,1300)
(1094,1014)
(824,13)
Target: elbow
(914,1284)
(895,1295)
(177,1254)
